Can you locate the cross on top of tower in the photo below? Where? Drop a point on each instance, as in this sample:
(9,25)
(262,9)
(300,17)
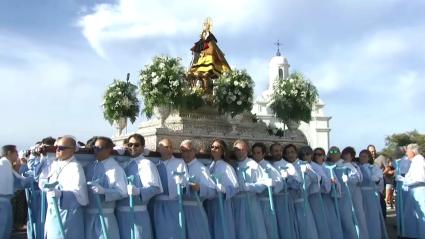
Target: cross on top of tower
(278,44)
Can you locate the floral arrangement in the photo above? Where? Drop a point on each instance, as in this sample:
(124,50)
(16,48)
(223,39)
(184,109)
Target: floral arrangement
(120,100)
(161,83)
(234,92)
(293,98)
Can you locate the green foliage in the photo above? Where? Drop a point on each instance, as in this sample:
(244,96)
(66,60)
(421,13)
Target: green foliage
(120,100)
(234,92)
(161,83)
(293,98)
(403,139)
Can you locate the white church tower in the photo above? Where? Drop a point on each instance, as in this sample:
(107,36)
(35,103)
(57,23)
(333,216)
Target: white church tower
(316,132)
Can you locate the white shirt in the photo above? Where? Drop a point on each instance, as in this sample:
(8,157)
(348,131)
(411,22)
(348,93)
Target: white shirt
(416,173)
(6,177)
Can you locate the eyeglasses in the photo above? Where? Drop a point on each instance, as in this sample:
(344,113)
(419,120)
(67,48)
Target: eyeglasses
(215,147)
(62,148)
(334,151)
(136,145)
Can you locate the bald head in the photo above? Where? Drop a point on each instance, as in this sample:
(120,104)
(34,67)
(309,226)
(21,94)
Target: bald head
(165,148)
(65,147)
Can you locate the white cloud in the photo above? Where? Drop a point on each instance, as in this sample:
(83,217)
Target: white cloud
(129,19)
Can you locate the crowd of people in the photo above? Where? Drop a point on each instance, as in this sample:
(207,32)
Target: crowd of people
(278,192)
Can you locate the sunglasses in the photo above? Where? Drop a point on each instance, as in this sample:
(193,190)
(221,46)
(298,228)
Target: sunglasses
(97,149)
(62,148)
(334,151)
(215,147)
(136,145)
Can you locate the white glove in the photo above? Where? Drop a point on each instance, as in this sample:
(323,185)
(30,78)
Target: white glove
(221,188)
(53,193)
(399,178)
(284,173)
(97,189)
(374,178)
(344,178)
(133,190)
(267,182)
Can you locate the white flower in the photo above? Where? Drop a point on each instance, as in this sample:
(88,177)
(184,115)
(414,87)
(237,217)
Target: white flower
(236,83)
(161,65)
(153,74)
(239,102)
(155,81)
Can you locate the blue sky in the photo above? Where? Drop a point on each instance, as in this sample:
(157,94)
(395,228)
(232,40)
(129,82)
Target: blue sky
(366,58)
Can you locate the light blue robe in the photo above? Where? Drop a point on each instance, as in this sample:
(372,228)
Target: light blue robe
(109,174)
(34,165)
(166,205)
(249,221)
(414,203)
(227,177)
(285,210)
(330,199)
(146,178)
(350,218)
(320,183)
(303,212)
(270,219)
(402,167)
(72,183)
(371,201)
(196,219)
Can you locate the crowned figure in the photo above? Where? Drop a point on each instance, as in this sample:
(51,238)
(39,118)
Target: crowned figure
(208,61)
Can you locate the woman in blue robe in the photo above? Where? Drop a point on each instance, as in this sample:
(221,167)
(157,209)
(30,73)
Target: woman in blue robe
(372,175)
(319,183)
(305,177)
(331,191)
(354,179)
(285,211)
(227,187)
(345,203)
(109,183)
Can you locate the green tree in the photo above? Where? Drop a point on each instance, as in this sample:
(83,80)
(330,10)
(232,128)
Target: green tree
(403,139)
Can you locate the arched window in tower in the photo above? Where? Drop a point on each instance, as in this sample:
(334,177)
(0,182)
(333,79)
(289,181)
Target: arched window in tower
(280,73)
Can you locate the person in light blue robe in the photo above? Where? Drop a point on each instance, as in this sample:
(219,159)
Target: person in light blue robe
(285,211)
(305,177)
(273,180)
(34,202)
(249,221)
(331,191)
(355,177)
(166,205)
(108,182)
(414,185)
(372,175)
(70,193)
(10,181)
(227,187)
(319,183)
(345,202)
(201,186)
(145,185)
